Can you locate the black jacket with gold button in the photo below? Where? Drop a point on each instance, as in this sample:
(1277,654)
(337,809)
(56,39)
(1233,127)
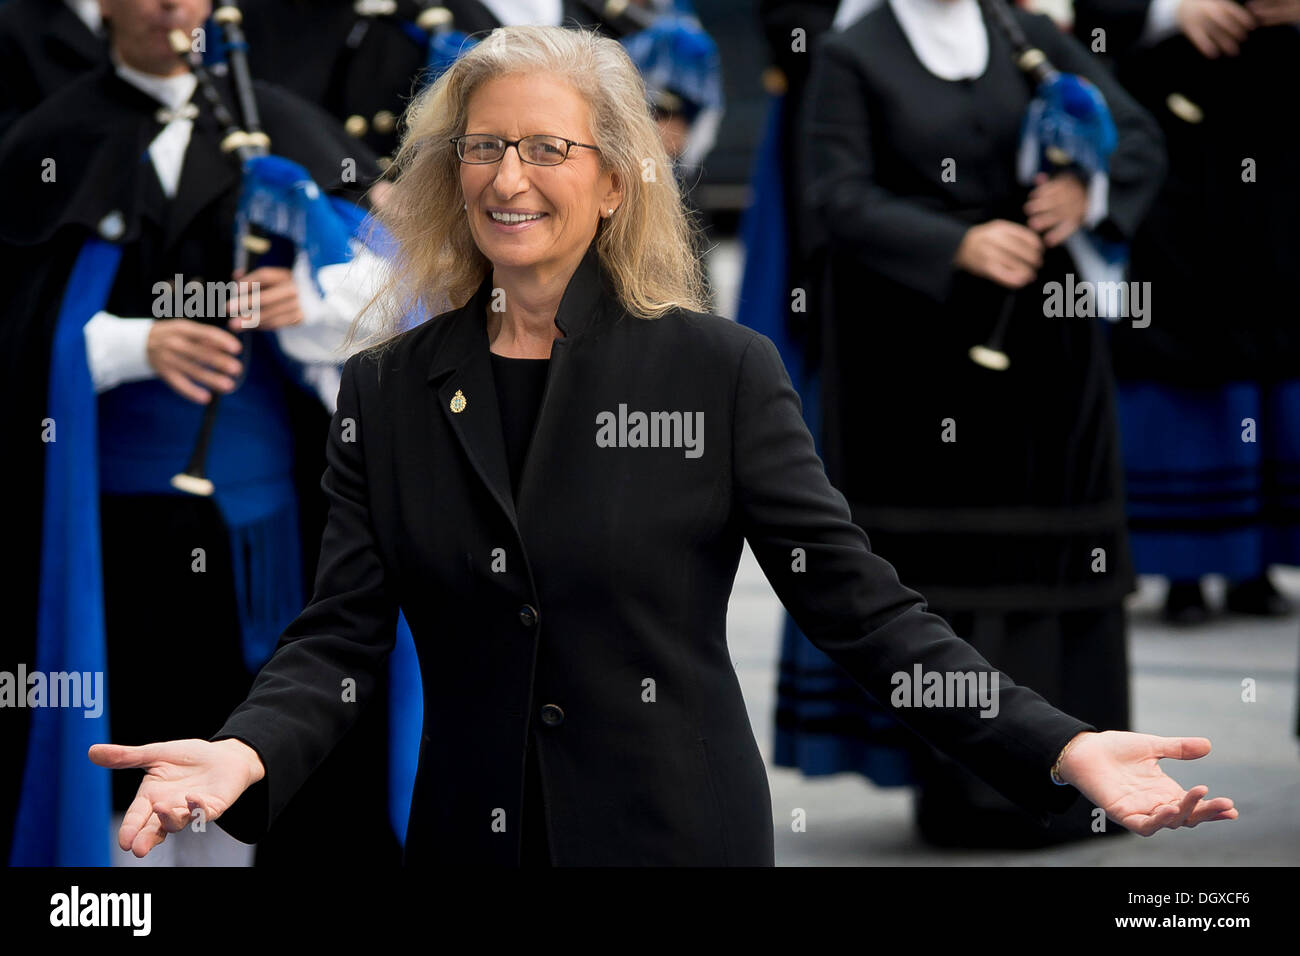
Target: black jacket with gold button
(596,607)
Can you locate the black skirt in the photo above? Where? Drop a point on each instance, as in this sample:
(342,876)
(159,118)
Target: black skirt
(176,671)
(1078,661)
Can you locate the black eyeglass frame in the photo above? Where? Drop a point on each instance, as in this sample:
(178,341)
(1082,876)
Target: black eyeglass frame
(569,144)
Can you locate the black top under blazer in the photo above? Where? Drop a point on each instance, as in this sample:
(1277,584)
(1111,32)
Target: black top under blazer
(604,621)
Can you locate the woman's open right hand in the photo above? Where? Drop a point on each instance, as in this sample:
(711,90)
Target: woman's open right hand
(183,778)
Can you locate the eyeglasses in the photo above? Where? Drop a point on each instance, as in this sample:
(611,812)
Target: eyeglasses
(539,149)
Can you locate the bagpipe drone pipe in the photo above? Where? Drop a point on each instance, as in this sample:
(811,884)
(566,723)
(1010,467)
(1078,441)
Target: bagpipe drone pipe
(279,202)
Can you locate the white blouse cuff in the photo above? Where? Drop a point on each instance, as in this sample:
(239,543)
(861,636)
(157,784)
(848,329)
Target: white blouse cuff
(1098,200)
(1161,22)
(117,350)
(347,288)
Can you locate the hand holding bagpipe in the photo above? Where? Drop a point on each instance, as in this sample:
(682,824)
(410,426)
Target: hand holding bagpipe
(1067,137)
(277,197)
(1056,207)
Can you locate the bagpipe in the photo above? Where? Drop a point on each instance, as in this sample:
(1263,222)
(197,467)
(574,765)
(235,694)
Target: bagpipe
(278,198)
(678,61)
(445,42)
(248,143)
(432,27)
(280,204)
(1067,128)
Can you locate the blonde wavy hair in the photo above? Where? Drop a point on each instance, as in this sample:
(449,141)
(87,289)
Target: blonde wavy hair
(647,247)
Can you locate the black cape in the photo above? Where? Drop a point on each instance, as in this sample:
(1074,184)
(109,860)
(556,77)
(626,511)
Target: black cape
(1220,252)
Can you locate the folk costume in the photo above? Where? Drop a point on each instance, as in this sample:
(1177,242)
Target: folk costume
(129,190)
(997,494)
(1210,390)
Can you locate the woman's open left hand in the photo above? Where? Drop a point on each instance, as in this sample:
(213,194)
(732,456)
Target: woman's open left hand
(1118,771)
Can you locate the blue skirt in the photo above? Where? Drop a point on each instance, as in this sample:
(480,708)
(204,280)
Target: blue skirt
(826,723)
(1213,477)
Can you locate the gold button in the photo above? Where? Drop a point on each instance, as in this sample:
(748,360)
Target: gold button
(384,122)
(355,125)
(1184,109)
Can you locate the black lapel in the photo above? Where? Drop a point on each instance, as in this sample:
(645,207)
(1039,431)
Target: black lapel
(206,175)
(463,365)
(461,377)
(587,299)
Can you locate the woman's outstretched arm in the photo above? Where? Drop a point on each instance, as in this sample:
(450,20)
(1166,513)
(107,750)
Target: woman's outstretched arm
(183,779)
(852,606)
(307,696)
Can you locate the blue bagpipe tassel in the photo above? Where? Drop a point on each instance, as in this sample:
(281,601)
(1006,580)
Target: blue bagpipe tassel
(1067,123)
(280,197)
(445,48)
(675,53)
(679,63)
(1068,126)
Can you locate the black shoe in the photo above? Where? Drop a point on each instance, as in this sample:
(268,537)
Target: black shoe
(1257,597)
(1185,604)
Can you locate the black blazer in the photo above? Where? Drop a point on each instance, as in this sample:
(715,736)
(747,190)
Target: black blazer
(595,609)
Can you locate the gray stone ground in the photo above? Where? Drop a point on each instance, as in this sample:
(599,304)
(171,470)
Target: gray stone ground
(1183,683)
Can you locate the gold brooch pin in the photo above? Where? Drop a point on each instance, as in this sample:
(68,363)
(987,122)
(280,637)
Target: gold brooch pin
(458,402)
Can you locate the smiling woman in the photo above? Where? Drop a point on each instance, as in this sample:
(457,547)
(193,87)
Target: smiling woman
(524,210)
(534,83)
(566,587)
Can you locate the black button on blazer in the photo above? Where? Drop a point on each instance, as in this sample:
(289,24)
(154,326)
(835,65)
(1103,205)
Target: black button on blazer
(660,445)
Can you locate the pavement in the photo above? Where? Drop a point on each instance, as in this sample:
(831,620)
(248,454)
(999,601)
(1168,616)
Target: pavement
(1184,683)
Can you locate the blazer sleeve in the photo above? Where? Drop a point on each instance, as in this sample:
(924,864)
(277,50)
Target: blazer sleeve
(850,604)
(902,239)
(328,661)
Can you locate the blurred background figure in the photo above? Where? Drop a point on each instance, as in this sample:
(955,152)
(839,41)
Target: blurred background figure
(823,723)
(997,493)
(43,45)
(359,61)
(119,255)
(1210,392)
